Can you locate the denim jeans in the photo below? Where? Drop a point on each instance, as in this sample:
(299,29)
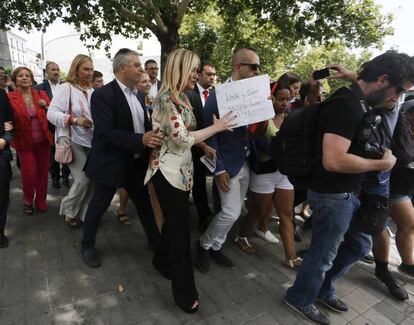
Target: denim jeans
(356,244)
(377,183)
(332,214)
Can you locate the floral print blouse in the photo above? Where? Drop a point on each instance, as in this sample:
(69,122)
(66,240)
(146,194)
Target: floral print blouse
(175,119)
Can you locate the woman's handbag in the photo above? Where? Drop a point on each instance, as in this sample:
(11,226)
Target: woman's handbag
(63,146)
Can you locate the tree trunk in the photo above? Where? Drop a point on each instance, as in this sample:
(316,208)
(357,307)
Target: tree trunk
(169,42)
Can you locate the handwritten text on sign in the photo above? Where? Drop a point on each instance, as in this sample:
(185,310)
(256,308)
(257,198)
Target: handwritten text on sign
(248,98)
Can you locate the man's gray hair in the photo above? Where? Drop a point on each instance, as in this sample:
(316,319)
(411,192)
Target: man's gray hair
(122,57)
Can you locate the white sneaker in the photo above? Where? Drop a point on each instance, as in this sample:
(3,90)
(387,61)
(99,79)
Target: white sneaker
(267,236)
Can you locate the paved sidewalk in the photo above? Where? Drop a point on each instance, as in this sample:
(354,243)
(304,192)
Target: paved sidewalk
(44,281)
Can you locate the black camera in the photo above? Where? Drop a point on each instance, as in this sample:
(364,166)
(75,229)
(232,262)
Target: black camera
(367,146)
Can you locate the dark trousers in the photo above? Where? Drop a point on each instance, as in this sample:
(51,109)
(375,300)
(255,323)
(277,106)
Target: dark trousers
(102,198)
(5,173)
(173,257)
(199,188)
(54,166)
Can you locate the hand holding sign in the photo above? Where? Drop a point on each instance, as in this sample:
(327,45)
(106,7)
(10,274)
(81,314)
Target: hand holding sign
(247,98)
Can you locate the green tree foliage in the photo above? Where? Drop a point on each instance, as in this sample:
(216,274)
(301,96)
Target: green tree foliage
(290,22)
(306,60)
(215,39)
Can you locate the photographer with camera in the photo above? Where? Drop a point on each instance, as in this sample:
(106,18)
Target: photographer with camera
(381,126)
(338,176)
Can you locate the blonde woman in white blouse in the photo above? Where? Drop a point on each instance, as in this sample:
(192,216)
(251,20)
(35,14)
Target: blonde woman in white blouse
(171,172)
(77,92)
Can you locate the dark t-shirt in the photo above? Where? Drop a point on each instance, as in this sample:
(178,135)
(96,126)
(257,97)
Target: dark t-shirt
(342,117)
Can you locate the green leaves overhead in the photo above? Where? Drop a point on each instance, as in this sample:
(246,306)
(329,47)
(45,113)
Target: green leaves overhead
(213,28)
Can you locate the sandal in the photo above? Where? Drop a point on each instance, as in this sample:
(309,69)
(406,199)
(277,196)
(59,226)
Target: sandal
(244,245)
(123,218)
(72,222)
(28,209)
(295,263)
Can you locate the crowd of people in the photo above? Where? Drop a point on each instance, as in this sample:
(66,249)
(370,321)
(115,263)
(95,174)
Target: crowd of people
(146,138)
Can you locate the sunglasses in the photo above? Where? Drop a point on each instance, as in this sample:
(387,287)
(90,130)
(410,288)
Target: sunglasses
(400,90)
(253,66)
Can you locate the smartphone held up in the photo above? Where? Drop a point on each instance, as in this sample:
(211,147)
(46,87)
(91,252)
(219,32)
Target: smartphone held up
(320,74)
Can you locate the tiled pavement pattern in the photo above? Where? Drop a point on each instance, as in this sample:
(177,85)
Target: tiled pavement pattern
(43,279)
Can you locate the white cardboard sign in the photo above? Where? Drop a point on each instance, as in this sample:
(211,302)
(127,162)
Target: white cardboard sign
(248,98)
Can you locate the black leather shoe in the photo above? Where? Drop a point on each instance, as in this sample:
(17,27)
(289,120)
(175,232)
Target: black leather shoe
(396,290)
(65,182)
(311,313)
(335,304)
(202,261)
(4,242)
(220,258)
(89,257)
(56,183)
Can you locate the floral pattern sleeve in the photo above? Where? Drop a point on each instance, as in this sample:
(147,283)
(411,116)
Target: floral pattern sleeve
(179,132)
(175,119)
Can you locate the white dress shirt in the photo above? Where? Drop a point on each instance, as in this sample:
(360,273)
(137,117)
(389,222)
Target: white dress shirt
(200,90)
(154,89)
(53,87)
(137,111)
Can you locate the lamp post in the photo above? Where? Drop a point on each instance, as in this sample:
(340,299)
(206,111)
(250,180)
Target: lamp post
(43,47)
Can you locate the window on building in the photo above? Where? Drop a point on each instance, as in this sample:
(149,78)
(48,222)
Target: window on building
(13,56)
(139,46)
(12,42)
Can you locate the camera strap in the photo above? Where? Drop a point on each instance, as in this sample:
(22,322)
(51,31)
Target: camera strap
(366,108)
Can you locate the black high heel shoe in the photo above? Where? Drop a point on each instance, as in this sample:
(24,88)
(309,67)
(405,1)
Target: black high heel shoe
(193,309)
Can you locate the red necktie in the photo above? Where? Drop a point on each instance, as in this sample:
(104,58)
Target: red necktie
(205,93)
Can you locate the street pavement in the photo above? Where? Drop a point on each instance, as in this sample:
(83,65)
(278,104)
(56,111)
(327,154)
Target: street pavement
(43,279)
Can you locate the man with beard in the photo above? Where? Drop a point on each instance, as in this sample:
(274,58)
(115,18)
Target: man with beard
(338,176)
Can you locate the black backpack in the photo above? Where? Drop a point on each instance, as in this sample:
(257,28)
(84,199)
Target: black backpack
(293,148)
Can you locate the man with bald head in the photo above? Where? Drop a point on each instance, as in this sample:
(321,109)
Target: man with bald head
(232,170)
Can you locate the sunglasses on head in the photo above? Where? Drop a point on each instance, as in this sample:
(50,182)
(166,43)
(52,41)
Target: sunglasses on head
(253,66)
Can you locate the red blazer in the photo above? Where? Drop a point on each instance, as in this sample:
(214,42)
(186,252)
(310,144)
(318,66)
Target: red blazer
(22,128)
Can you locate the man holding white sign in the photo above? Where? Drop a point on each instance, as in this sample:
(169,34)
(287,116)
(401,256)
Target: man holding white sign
(232,148)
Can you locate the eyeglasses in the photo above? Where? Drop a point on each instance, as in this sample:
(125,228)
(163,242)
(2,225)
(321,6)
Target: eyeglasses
(253,66)
(400,90)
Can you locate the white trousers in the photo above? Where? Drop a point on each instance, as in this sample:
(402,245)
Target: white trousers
(231,204)
(74,204)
